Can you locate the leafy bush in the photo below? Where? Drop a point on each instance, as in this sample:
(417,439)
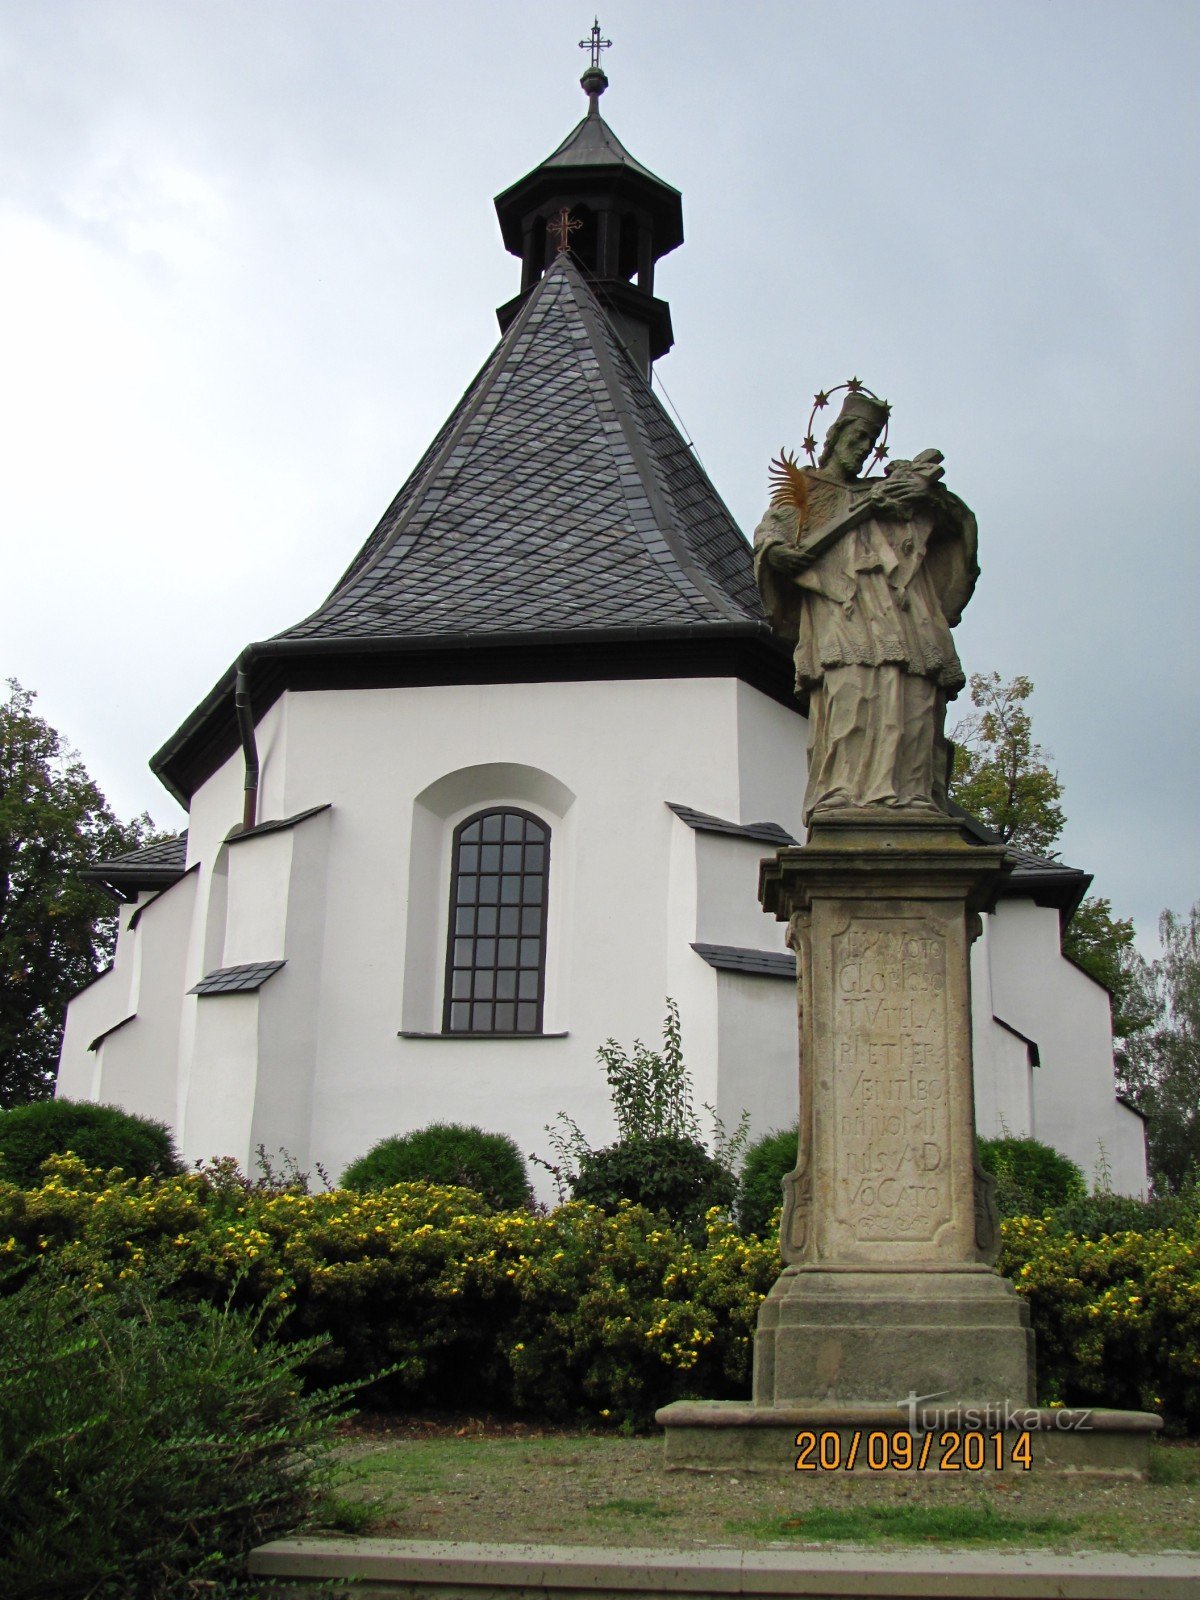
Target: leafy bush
(446,1153)
(101,1136)
(1030,1176)
(760,1191)
(145,1446)
(1095,1215)
(659,1159)
(668,1174)
(1117,1318)
(574,1311)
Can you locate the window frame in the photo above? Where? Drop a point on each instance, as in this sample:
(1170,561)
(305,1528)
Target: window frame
(450,967)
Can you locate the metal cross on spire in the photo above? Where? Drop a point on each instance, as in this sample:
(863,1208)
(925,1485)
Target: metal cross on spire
(595,43)
(561,229)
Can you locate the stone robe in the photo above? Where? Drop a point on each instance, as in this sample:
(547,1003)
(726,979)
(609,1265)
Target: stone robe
(870,621)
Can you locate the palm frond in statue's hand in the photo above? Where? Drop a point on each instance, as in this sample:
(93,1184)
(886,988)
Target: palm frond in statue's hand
(789,487)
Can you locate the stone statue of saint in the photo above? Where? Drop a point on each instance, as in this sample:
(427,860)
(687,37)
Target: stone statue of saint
(867,583)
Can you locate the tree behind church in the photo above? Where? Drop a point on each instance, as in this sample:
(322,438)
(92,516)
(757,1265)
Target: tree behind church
(1159,1064)
(1004,777)
(55,930)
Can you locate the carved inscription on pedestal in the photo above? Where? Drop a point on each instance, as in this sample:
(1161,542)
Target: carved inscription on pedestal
(891,1083)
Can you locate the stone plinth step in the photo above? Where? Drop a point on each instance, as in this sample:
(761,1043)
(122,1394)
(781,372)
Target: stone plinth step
(418,1567)
(954,1445)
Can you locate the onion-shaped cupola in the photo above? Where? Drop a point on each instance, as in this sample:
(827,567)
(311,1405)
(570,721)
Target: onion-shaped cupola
(614,217)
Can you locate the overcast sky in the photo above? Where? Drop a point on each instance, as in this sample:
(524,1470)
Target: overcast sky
(249,261)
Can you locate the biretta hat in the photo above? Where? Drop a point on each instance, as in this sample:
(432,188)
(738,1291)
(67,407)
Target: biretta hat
(866,407)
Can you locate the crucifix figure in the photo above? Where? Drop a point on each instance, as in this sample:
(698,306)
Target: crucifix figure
(561,229)
(595,43)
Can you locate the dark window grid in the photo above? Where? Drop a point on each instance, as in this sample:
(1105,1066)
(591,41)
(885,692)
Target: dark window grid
(495,958)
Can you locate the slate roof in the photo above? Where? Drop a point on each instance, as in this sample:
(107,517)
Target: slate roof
(754,963)
(1044,881)
(242,979)
(592,143)
(276,824)
(558,527)
(702,822)
(154,866)
(558,496)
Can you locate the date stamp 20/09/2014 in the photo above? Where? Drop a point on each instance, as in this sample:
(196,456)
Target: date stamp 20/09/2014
(882,1451)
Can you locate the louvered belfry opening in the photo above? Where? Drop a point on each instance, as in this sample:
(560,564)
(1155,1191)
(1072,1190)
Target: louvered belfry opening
(496,943)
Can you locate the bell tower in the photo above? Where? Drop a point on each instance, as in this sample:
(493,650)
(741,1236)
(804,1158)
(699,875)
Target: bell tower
(615,218)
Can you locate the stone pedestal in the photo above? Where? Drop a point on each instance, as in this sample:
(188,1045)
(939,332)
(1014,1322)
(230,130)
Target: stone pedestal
(889,1225)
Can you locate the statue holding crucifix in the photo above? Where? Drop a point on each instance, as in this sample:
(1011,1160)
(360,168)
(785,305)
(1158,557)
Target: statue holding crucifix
(866,577)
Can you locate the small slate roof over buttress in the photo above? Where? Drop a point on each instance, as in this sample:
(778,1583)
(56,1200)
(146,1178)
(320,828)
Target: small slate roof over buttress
(558,496)
(154,866)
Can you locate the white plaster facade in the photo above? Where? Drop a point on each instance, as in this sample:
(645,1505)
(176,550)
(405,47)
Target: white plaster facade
(342,1045)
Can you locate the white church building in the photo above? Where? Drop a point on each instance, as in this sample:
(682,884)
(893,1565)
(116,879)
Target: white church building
(508,787)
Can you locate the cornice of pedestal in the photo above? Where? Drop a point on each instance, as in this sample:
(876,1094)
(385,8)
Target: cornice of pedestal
(877,854)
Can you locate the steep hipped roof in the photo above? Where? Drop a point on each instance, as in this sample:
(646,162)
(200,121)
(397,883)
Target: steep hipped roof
(558,495)
(557,527)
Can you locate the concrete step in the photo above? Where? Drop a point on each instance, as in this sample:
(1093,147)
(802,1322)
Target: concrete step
(449,1571)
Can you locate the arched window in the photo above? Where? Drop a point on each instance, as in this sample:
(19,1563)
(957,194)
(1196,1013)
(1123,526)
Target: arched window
(496,948)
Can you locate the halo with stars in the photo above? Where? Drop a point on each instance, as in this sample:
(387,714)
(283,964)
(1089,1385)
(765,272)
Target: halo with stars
(822,398)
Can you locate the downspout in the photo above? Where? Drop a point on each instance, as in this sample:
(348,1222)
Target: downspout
(245,720)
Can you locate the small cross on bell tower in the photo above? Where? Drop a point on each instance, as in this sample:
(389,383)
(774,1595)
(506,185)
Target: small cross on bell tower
(594,80)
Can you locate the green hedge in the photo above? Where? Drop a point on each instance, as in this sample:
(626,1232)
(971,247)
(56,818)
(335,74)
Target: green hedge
(1030,1176)
(760,1189)
(1117,1318)
(101,1136)
(667,1173)
(575,1311)
(447,1153)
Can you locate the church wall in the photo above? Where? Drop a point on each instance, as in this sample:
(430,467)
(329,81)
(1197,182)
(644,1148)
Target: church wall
(1036,990)
(259,873)
(772,765)
(290,1004)
(760,1045)
(728,910)
(376,756)
(691,983)
(219,1103)
(356,901)
(106,1001)
(1003,1072)
(138,1063)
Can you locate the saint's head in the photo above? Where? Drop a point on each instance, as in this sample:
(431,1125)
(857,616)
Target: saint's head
(851,438)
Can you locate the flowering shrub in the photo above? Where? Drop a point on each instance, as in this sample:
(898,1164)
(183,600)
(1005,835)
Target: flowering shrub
(1117,1318)
(574,1311)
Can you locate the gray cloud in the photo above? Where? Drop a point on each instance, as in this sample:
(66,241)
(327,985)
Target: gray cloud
(251,262)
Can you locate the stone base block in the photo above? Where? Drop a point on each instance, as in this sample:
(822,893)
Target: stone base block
(843,1336)
(803,1442)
